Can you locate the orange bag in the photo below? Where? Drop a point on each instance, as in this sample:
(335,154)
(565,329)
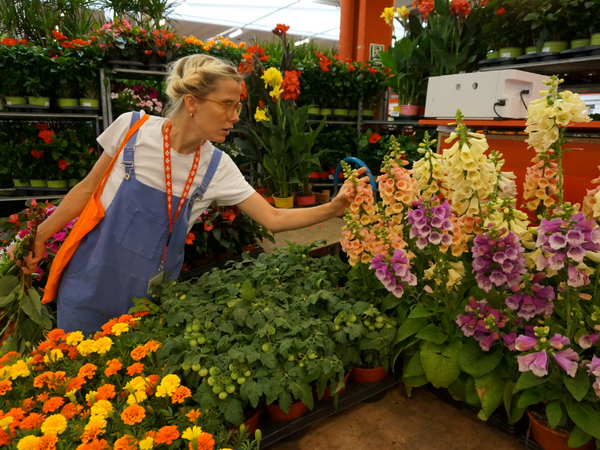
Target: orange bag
(91,215)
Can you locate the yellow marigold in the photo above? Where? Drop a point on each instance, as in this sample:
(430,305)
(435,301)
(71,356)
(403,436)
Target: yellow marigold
(147,443)
(168,385)
(133,414)
(272,77)
(136,397)
(86,347)
(74,337)
(192,433)
(19,369)
(54,424)
(55,355)
(242,45)
(119,328)
(6,421)
(102,408)
(103,345)
(90,397)
(28,443)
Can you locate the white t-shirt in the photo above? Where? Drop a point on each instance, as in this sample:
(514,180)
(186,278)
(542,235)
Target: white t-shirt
(228,186)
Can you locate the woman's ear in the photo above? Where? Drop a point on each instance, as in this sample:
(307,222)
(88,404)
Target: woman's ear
(190,103)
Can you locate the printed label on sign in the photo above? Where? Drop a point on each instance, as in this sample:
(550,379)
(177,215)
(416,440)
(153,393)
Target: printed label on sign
(46,103)
(8,102)
(506,55)
(155,280)
(87,104)
(546,49)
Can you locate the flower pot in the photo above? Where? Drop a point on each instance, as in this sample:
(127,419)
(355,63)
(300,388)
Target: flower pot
(315,175)
(305,200)
(327,393)
(201,262)
(261,191)
(39,101)
(252,423)
(59,184)
(492,55)
(409,110)
(20,183)
(595,40)
(249,248)
(549,439)
(555,46)
(67,102)
(269,199)
(313,109)
(284,202)
(325,111)
(530,50)
(72,182)
(276,414)
(368,375)
(421,110)
(368,113)
(580,43)
(89,102)
(324,175)
(14,101)
(38,183)
(511,52)
(340,112)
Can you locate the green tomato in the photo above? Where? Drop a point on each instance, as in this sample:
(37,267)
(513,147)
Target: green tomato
(266,347)
(186,365)
(247,373)
(231,367)
(372,328)
(193,343)
(230,389)
(272,331)
(367,323)
(211,381)
(291,357)
(301,364)
(379,319)
(196,367)
(201,340)
(223,395)
(234,375)
(214,371)
(241,380)
(196,327)
(352,318)
(312,355)
(241,360)
(188,329)
(336,327)
(379,325)
(203,372)
(182,297)
(209,325)
(209,342)
(388,326)
(217,389)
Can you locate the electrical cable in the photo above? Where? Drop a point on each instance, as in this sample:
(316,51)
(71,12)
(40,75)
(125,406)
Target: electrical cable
(499,103)
(524,91)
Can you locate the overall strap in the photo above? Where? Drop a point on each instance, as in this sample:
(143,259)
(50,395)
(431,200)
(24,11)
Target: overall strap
(128,150)
(208,176)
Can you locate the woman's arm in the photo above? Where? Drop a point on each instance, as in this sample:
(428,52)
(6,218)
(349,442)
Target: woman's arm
(71,206)
(276,220)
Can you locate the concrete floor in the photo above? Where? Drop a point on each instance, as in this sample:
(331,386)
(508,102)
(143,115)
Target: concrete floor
(422,422)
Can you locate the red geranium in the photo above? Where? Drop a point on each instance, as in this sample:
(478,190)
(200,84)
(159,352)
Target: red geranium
(244,91)
(189,239)
(460,7)
(37,154)
(8,41)
(208,226)
(62,164)
(58,36)
(228,215)
(46,135)
(291,84)
(374,138)
(324,62)
(501,11)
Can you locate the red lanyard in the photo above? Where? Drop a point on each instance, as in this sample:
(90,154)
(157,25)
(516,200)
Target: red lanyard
(169,183)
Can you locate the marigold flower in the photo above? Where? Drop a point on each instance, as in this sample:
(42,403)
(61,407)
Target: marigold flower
(167,434)
(204,442)
(55,355)
(53,404)
(125,442)
(180,394)
(102,408)
(192,433)
(168,385)
(75,384)
(32,421)
(133,414)
(152,346)
(87,371)
(114,365)
(135,368)
(193,415)
(5,386)
(54,424)
(106,392)
(28,443)
(68,411)
(103,345)
(146,443)
(28,404)
(139,352)
(119,328)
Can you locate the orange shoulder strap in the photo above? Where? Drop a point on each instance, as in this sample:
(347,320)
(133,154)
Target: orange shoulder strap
(91,215)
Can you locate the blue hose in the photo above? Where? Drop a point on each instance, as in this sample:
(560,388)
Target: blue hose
(352,159)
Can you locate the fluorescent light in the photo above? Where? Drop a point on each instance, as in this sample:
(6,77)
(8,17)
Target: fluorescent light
(161,22)
(303,41)
(236,33)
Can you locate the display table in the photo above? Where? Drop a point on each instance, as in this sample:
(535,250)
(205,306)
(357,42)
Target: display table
(508,137)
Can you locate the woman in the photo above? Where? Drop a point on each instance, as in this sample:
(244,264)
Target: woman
(142,234)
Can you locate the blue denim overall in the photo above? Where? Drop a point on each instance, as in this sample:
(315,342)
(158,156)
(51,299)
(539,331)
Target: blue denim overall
(116,260)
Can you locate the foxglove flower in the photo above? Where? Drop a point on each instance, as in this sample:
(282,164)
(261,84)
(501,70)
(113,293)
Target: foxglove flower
(567,360)
(534,362)
(393,272)
(587,340)
(594,367)
(558,342)
(524,343)
(509,340)
(481,322)
(431,224)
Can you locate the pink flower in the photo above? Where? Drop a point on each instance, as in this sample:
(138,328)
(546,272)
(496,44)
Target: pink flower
(524,343)
(558,342)
(587,340)
(567,360)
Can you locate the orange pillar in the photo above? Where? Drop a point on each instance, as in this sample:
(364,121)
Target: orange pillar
(361,25)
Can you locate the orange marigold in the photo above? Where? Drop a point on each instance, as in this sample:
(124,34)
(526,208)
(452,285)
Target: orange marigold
(105,392)
(152,383)
(138,353)
(32,421)
(5,386)
(88,370)
(75,384)
(28,404)
(152,346)
(126,442)
(135,368)
(205,442)
(68,411)
(94,445)
(193,415)
(114,365)
(56,335)
(4,438)
(43,397)
(133,414)
(167,434)
(180,394)
(53,404)
(47,442)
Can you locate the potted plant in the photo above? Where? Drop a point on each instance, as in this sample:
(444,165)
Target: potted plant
(39,79)
(13,70)
(64,70)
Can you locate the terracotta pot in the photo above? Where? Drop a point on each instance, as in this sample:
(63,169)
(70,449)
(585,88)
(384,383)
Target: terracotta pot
(269,199)
(305,200)
(249,248)
(549,439)
(201,262)
(368,375)
(409,110)
(251,424)
(261,191)
(327,393)
(276,414)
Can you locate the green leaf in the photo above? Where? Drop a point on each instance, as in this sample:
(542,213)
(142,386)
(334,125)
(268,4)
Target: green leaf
(554,413)
(390,301)
(490,388)
(440,362)
(585,417)
(529,398)
(432,333)
(32,306)
(232,411)
(7,284)
(410,327)
(579,385)
(247,291)
(418,381)
(578,438)
(528,380)
(414,368)
(471,395)
(420,311)
(476,362)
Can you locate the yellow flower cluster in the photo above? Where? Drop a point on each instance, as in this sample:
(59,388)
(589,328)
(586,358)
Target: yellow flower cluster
(137,390)
(168,385)
(100,346)
(273,78)
(429,170)
(502,213)
(261,114)
(389,14)
(218,42)
(19,369)
(456,272)
(591,202)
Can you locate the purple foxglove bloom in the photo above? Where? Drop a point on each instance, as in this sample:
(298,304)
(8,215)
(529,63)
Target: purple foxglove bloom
(557,241)
(514,301)
(539,276)
(576,253)
(483,282)
(524,343)
(587,340)
(525,361)
(574,237)
(594,366)
(551,226)
(435,238)
(509,340)
(557,261)
(541,263)
(539,366)
(513,280)
(410,279)
(577,278)
(422,242)
(499,257)
(447,225)
(558,342)
(528,308)
(437,222)
(546,292)
(567,359)
(481,264)
(446,239)
(497,277)
(507,267)
(442,211)
(486,343)
(425,230)
(414,214)
(512,253)
(398,290)
(400,256)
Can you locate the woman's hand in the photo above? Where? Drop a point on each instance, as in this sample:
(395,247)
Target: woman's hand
(345,196)
(31,260)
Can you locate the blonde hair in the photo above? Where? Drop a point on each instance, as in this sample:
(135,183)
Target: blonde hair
(196,75)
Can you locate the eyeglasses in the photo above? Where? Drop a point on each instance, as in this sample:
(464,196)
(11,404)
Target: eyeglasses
(230,108)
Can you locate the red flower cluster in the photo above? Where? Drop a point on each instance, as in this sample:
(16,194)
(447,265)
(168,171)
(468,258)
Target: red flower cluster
(37,154)
(228,215)
(62,164)
(460,8)
(324,62)
(246,65)
(501,11)
(424,7)
(280,30)
(244,93)
(189,239)
(59,36)
(46,135)
(291,84)
(374,138)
